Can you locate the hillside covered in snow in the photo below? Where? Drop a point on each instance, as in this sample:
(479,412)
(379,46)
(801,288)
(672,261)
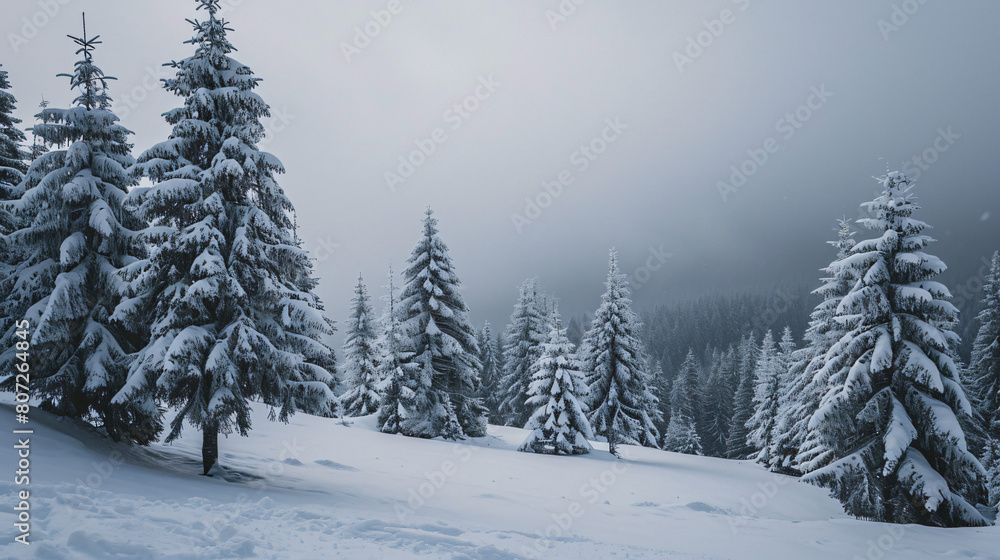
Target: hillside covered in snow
(315,488)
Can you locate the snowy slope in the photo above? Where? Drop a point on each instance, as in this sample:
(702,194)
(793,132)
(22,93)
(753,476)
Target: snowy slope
(318,489)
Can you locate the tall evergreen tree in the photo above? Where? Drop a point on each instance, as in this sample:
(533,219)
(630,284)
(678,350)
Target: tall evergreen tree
(659,386)
(772,383)
(737,446)
(718,393)
(899,453)
(444,344)
(394,368)
(229,292)
(767,384)
(991,461)
(74,243)
(559,423)
(12,170)
(794,449)
(621,405)
(985,362)
(682,435)
(360,357)
(523,339)
(12,156)
(489,392)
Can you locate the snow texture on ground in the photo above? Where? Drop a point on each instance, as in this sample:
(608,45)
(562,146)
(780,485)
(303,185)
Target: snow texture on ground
(315,488)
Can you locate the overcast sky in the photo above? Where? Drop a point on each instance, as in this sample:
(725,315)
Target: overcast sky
(673,95)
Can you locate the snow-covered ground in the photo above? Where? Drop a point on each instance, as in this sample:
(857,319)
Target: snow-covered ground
(315,488)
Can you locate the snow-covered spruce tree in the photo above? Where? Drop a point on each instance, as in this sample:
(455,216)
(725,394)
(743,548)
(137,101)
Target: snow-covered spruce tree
(767,380)
(75,241)
(444,344)
(621,405)
(394,370)
(659,386)
(229,292)
(717,397)
(794,450)
(991,461)
(12,169)
(985,362)
(360,357)
(523,339)
(13,158)
(682,435)
(771,382)
(559,424)
(489,390)
(736,442)
(892,425)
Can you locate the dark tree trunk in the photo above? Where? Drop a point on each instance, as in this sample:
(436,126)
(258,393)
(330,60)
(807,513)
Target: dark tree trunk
(209,446)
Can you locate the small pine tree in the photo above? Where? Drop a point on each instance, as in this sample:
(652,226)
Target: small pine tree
(985,362)
(523,339)
(444,344)
(682,435)
(395,371)
(771,375)
(621,404)
(893,423)
(559,424)
(489,392)
(736,443)
(360,370)
(660,385)
(75,243)
(718,393)
(229,291)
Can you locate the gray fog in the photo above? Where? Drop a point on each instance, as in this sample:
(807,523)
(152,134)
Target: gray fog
(713,143)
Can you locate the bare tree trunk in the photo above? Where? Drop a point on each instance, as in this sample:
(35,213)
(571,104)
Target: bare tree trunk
(209,446)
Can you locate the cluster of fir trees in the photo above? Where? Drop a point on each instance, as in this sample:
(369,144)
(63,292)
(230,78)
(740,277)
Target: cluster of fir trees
(420,367)
(191,293)
(429,375)
(564,391)
(876,404)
